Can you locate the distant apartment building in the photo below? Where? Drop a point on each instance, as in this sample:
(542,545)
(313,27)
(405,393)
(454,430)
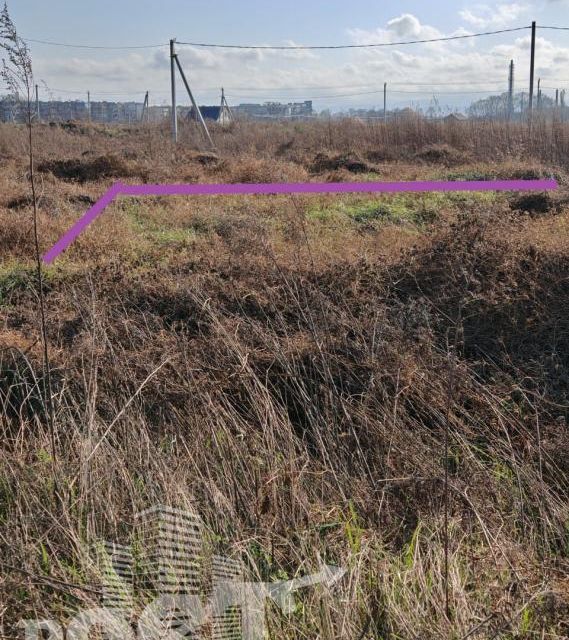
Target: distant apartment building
(61,111)
(275,110)
(159,113)
(14,110)
(109,112)
(11,110)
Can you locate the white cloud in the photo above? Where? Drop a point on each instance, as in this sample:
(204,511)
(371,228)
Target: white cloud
(404,27)
(503,15)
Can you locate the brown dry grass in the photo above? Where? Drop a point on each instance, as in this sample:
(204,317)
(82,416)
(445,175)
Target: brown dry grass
(282,364)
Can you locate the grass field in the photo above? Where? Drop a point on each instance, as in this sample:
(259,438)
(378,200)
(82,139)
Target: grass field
(288,365)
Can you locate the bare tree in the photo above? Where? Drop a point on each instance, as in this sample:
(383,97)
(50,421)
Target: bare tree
(17,74)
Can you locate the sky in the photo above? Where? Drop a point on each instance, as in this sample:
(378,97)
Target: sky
(456,72)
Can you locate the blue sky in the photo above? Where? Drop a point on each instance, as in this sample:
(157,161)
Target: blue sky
(252,76)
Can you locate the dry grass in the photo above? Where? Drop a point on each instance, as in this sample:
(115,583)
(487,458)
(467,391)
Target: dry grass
(282,365)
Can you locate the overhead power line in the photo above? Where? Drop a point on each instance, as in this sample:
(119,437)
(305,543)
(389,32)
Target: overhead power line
(280,47)
(379,91)
(369,84)
(89,46)
(350,46)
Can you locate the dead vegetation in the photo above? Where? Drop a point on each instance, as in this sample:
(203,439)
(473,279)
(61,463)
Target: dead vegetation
(287,366)
(83,169)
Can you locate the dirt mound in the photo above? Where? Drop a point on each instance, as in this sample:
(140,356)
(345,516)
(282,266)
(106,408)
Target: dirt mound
(21,202)
(82,199)
(512,304)
(72,127)
(381,155)
(82,170)
(534,203)
(251,170)
(26,202)
(207,159)
(350,162)
(441,154)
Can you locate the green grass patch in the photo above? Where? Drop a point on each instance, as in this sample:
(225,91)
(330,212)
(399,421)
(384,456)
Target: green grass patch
(409,208)
(13,276)
(17,276)
(153,226)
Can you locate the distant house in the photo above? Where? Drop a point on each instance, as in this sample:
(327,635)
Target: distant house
(219,114)
(455,117)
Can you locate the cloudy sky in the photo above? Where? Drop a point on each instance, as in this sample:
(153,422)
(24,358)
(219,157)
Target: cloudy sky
(456,72)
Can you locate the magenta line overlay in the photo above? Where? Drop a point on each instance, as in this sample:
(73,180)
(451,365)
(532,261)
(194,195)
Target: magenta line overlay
(285,187)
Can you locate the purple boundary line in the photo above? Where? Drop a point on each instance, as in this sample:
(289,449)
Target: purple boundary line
(283,188)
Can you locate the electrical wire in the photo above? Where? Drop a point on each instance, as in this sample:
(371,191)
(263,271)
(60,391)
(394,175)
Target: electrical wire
(351,46)
(88,46)
(380,91)
(369,84)
(278,47)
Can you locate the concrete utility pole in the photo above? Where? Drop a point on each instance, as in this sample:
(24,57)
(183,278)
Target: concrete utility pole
(199,116)
(511,90)
(225,108)
(89,105)
(37,103)
(531,67)
(173,80)
(384,101)
(145,115)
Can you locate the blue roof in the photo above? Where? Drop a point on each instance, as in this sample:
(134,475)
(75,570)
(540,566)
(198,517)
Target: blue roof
(208,113)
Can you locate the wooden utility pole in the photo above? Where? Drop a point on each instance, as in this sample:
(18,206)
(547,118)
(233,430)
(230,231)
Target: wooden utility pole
(384,101)
(531,68)
(194,103)
(37,103)
(173,80)
(539,93)
(511,90)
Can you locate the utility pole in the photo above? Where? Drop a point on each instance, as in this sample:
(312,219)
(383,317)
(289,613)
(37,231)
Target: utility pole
(145,113)
(539,94)
(37,103)
(225,109)
(511,91)
(384,101)
(89,106)
(556,98)
(173,61)
(531,68)
(199,116)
